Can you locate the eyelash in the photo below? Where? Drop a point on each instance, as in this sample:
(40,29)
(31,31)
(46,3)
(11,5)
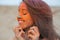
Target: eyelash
(24,13)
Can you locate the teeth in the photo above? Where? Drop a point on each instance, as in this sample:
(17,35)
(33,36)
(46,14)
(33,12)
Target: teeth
(20,21)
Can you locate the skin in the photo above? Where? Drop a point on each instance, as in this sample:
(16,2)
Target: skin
(33,33)
(25,21)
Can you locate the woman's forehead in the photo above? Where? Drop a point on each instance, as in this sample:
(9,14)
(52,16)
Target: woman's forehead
(22,5)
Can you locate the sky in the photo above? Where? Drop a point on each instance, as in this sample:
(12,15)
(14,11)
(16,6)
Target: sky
(17,2)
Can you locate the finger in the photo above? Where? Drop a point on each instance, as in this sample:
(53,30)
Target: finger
(30,36)
(17,30)
(22,34)
(31,32)
(35,29)
(14,29)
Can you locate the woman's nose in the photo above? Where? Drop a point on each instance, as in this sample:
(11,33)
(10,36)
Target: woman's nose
(19,17)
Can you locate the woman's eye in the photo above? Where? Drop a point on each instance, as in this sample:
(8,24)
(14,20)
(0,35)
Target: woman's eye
(24,13)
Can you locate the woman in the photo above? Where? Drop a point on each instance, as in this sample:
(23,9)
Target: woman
(35,21)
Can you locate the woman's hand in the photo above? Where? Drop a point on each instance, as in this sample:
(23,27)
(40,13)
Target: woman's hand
(19,33)
(33,33)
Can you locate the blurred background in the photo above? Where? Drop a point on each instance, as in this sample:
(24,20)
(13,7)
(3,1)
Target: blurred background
(9,12)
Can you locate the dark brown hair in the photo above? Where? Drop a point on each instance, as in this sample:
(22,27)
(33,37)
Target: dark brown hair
(42,17)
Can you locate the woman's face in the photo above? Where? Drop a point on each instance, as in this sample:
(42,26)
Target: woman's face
(25,19)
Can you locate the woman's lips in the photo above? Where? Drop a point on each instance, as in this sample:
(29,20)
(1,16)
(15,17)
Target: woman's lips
(20,22)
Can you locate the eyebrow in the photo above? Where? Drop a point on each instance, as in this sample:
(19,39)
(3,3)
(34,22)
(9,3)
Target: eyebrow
(19,9)
(25,9)
(22,9)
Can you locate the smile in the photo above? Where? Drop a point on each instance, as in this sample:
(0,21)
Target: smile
(20,22)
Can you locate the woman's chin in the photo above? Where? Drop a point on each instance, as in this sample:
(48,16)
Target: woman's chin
(25,27)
